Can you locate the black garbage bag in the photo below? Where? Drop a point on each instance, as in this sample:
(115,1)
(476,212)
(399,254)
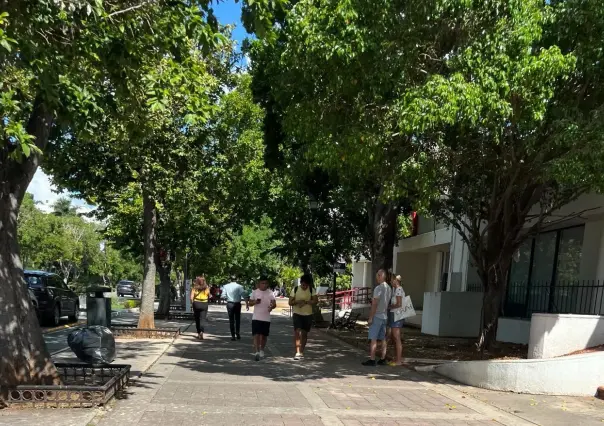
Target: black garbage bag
(93,345)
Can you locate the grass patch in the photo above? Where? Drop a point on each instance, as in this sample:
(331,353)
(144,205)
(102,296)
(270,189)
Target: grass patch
(116,304)
(130,304)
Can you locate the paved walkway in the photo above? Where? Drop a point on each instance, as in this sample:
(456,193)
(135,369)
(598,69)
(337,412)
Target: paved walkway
(216,382)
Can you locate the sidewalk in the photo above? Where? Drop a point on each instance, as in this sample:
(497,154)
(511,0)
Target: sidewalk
(216,382)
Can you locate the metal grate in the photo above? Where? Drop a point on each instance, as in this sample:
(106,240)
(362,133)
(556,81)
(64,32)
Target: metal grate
(144,333)
(84,385)
(176,315)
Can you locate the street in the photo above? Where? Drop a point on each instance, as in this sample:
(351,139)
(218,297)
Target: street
(56,340)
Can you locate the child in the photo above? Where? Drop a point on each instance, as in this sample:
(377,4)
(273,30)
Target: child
(263,301)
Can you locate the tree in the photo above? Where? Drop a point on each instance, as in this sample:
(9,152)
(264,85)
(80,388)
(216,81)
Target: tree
(63,207)
(323,92)
(71,247)
(486,114)
(69,64)
(217,188)
(512,129)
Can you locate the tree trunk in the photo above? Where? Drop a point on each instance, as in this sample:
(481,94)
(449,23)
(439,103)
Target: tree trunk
(165,295)
(383,229)
(146,319)
(24,358)
(496,278)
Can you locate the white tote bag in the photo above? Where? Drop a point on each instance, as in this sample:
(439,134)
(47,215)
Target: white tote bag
(406,311)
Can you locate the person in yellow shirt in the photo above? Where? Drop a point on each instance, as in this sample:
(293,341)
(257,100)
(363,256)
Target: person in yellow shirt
(302,299)
(200,295)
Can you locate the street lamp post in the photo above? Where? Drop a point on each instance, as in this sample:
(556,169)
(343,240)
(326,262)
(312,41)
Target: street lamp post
(336,267)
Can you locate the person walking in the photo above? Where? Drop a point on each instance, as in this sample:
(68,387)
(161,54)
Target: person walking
(378,318)
(234,293)
(263,301)
(200,295)
(395,327)
(302,299)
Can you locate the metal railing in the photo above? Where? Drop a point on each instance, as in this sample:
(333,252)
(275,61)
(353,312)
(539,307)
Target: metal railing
(563,297)
(475,287)
(346,299)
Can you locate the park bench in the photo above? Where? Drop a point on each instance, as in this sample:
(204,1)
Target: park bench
(348,321)
(340,320)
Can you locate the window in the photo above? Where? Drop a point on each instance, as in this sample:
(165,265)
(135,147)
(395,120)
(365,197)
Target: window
(543,276)
(34,281)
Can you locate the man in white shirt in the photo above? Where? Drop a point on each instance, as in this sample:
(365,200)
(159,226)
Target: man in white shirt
(378,318)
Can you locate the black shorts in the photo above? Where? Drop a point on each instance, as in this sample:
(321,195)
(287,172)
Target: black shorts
(302,322)
(261,327)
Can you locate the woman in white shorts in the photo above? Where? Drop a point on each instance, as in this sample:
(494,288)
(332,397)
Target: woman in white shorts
(394,327)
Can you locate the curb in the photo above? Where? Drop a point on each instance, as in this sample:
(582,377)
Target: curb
(147,368)
(62,327)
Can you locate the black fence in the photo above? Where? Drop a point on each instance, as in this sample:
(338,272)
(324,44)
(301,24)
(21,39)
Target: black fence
(84,385)
(475,287)
(564,297)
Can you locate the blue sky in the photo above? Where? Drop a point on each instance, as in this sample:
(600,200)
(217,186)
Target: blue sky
(227,12)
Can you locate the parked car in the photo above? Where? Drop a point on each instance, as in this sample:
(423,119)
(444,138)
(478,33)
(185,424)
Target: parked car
(33,298)
(54,299)
(127,287)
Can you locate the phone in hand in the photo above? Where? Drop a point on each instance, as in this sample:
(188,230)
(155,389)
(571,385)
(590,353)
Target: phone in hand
(258,301)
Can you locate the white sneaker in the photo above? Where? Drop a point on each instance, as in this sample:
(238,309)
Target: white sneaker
(298,357)
(261,354)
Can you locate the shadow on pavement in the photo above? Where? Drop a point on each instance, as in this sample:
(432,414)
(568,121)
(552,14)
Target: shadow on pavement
(326,358)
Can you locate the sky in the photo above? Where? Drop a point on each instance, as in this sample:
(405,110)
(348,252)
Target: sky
(227,12)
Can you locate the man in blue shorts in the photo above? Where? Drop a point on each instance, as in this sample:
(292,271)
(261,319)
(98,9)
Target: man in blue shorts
(378,317)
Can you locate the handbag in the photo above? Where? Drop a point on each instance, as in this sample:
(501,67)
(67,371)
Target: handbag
(406,311)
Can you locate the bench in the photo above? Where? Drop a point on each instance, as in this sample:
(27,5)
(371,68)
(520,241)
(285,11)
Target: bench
(341,320)
(348,321)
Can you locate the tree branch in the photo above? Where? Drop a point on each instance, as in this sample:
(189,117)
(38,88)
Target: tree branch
(138,6)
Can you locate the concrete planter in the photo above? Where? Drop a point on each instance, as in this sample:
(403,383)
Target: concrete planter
(579,375)
(555,335)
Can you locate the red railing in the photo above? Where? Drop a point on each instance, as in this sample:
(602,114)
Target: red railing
(346,298)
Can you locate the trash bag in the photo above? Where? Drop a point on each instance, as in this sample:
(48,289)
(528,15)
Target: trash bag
(93,345)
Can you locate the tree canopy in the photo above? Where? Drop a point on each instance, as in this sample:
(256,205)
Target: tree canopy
(82,69)
(484,115)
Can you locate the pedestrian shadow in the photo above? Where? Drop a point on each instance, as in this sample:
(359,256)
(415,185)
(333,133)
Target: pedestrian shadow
(327,358)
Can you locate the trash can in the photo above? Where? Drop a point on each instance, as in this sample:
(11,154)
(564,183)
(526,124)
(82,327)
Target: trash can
(98,306)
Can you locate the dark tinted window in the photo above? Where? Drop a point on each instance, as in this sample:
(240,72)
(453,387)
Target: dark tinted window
(59,283)
(34,281)
(54,281)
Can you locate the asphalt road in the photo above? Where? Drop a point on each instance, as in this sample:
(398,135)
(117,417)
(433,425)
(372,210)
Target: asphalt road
(56,341)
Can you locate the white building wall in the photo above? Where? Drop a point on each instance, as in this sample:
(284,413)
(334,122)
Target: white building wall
(358,274)
(433,271)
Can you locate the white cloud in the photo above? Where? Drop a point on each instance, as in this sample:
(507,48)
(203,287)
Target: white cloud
(45,194)
(43,190)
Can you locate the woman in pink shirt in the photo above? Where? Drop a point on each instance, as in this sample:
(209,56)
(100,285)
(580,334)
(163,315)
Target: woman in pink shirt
(263,301)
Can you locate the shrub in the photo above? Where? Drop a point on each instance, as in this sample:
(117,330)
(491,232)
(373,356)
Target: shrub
(130,304)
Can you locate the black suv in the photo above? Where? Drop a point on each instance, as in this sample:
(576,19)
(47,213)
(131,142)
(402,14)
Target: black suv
(54,298)
(127,287)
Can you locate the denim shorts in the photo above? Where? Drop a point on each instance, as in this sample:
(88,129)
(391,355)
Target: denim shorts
(377,329)
(392,323)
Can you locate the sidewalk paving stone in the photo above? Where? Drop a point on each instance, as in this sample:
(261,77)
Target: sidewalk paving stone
(216,382)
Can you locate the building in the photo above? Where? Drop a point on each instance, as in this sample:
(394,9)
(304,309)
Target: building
(559,271)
